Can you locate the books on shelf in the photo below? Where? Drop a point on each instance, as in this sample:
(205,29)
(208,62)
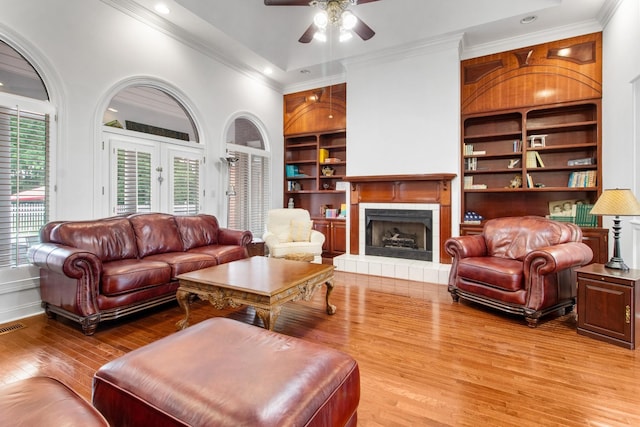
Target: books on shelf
(469,151)
(471,164)
(529,181)
(469,185)
(534,160)
(579,162)
(582,179)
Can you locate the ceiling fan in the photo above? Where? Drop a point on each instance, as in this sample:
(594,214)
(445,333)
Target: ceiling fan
(332,12)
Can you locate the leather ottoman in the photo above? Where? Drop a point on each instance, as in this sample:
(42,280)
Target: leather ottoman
(44,401)
(222,372)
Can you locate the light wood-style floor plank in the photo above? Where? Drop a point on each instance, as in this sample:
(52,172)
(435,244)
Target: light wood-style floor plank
(424,360)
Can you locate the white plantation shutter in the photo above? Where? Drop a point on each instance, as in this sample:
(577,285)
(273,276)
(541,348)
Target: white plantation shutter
(24,172)
(186,186)
(249,177)
(133,193)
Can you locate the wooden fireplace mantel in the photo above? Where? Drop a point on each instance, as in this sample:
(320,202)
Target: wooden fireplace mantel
(421,188)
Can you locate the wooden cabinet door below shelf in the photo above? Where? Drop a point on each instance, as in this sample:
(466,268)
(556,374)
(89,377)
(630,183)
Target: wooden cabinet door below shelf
(325,228)
(339,237)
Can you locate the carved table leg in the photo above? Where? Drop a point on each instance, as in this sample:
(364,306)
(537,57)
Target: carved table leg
(269,317)
(331,309)
(183,302)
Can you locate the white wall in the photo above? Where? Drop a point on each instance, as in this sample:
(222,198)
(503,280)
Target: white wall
(620,154)
(85,49)
(403,114)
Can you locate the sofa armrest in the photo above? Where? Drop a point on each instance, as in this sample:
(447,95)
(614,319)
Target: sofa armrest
(270,239)
(66,260)
(466,246)
(69,277)
(227,236)
(557,258)
(316,237)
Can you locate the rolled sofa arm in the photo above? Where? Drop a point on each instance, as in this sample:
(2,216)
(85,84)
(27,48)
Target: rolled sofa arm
(466,246)
(227,236)
(69,277)
(557,258)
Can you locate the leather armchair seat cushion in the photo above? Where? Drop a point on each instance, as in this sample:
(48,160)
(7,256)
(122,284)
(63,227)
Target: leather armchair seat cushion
(128,275)
(502,273)
(44,401)
(222,372)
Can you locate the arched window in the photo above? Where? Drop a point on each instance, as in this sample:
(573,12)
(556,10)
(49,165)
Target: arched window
(248,162)
(155,156)
(25,147)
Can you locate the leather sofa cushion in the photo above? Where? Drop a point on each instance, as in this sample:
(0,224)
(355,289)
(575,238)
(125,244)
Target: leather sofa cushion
(184,262)
(515,239)
(109,239)
(222,253)
(503,273)
(156,233)
(129,275)
(221,372)
(199,230)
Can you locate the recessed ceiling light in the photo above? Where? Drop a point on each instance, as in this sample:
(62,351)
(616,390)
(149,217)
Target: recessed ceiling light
(268,71)
(528,19)
(162,8)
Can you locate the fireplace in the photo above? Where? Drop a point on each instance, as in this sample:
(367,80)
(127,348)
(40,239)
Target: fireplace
(399,233)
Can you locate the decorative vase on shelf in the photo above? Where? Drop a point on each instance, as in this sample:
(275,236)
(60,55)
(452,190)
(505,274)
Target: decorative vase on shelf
(290,205)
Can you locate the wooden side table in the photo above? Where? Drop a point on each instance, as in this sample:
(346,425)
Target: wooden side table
(256,247)
(608,304)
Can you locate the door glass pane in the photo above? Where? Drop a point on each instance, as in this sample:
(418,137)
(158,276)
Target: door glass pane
(186,186)
(133,181)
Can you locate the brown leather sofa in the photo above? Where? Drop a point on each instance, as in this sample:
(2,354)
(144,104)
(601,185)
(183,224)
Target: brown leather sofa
(103,269)
(520,265)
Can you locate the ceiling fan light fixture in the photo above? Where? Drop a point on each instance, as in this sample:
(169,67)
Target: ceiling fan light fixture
(349,20)
(345,35)
(321,19)
(320,35)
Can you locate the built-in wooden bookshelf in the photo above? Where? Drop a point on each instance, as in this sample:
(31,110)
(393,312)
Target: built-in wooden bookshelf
(531,133)
(315,160)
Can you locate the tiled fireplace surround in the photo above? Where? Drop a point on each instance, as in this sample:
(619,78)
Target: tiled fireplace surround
(427,192)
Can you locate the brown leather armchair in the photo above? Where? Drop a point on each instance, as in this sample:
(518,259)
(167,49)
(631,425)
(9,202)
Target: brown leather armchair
(520,265)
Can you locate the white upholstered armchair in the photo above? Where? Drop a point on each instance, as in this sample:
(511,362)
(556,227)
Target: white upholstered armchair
(290,231)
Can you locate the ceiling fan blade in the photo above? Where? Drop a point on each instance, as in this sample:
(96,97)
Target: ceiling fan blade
(287,2)
(308,35)
(363,30)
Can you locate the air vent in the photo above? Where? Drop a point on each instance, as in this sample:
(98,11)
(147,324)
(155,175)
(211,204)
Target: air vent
(11,328)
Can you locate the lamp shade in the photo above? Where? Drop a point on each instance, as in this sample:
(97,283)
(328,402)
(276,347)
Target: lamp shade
(616,202)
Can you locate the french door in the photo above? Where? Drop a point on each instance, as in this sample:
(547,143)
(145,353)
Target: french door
(153,175)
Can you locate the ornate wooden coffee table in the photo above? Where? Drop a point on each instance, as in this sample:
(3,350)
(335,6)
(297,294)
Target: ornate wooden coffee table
(261,282)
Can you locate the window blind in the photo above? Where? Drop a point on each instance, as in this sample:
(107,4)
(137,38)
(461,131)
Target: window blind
(24,172)
(186,186)
(133,182)
(249,177)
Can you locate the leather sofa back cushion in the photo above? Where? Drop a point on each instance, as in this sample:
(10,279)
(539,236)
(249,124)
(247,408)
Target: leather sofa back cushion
(515,237)
(109,239)
(197,231)
(156,233)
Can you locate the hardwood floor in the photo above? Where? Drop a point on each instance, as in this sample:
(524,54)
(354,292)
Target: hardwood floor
(424,360)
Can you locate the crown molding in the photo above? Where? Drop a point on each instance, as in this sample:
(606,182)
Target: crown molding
(147,17)
(503,45)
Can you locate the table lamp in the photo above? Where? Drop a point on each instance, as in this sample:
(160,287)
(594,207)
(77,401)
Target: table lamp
(616,202)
